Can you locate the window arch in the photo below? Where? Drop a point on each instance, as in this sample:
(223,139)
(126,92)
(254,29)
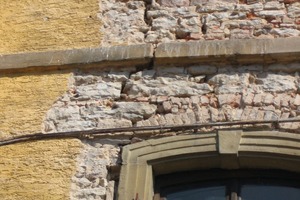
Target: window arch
(224,149)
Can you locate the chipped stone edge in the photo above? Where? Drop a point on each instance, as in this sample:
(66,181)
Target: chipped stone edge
(136,53)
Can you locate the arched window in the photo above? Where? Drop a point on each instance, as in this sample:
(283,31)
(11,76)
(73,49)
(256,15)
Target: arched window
(144,162)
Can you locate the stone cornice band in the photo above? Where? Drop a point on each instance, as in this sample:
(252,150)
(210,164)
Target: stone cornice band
(233,51)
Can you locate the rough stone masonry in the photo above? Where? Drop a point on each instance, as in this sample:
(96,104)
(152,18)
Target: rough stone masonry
(162,93)
(169,20)
(176,95)
(166,95)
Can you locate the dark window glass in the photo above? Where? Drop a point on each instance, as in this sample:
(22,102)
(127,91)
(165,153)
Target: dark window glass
(209,193)
(229,185)
(265,192)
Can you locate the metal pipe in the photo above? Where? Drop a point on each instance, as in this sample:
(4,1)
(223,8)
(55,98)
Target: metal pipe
(91,133)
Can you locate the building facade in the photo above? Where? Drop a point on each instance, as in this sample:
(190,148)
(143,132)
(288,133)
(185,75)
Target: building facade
(108,99)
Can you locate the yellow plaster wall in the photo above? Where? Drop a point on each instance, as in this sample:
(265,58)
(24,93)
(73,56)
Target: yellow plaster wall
(25,99)
(38,25)
(38,170)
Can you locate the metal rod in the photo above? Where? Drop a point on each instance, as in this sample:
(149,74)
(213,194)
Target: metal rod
(90,133)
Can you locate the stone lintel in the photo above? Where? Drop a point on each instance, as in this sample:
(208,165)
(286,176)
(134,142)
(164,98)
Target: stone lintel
(140,54)
(233,51)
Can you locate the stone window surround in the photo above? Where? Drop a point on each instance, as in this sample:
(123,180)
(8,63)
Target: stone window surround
(224,149)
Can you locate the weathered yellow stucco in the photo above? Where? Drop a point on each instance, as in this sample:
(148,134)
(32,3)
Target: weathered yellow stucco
(25,99)
(38,25)
(38,170)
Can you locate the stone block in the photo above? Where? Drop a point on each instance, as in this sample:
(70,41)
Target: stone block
(277,100)
(251,7)
(253,1)
(75,125)
(229,112)
(247,98)
(176,100)
(174,3)
(269,99)
(184,118)
(203,114)
(204,100)
(195,100)
(293,10)
(274,5)
(277,82)
(271,115)
(214,114)
(246,113)
(161,120)
(113,123)
(134,111)
(258,99)
(174,109)
(213,102)
(215,8)
(285,32)
(164,23)
(100,90)
(229,141)
(161,99)
(76,56)
(237,115)
(256,114)
(192,117)
(285,99)
(212,2)
(229,99)
(240,34)
(167,106)
(297,100)
(271,13)
(189,52)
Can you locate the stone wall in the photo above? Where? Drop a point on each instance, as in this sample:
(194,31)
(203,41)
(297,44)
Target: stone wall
(164,95)
(93,178)
(41,26)
(173,84)
(133,86)
(168,20)
(51,169)
(134,96)
(175,95)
